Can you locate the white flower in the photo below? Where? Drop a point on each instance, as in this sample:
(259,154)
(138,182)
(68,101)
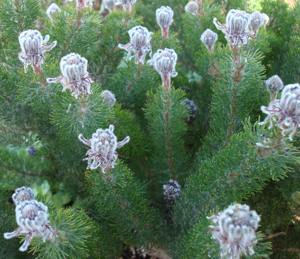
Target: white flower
(33,49)
(108,97)
(164,62)
(126,4)
(139,44)
(234,230)
(209,38)
(80,4)
(285,112)
(103,146)
(164,18)
(52,9)
(192,7)
(236,28)
(274,84)
(22,194)
(74,75)
(32,219)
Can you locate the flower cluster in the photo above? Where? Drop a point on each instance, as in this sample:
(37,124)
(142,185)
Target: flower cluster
(240,26)
(139,44)
(164,18)
(31,217)
(209,38)
(74,75)
(164,62)
(285,112)
(126,4)
(192,7)
(234,230)
(108,5)
(33,49)
(103,146)
(171,190)
(52,9)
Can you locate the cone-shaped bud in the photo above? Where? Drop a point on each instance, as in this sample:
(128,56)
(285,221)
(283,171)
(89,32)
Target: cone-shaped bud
(52,10)
(164,62)
(164,18)
(274,84)
(192,7)
(126,4)
(108,97)
(209,38)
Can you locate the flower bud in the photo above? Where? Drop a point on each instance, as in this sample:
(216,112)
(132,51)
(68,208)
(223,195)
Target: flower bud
(257,20)
(172,190)
(80,4)
(126,4)
(192,7)
(108,5)
(164,18)
(33,49)
(164,62)
(103,149)
(274,84)
(209,38)
(74,75)
(139,45)
(52,9)
(108,97)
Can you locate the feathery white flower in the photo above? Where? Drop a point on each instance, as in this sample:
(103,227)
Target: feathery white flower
(52,9)
(235,230)
(32,219)
(164,18)
(285,112)
(164,62)
(103,149)
(209,38)
(108,97)
(74,75)
(256,21)
(139,44)
(22,194)
(33,49)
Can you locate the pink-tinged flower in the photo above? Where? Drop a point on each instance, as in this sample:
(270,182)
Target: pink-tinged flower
(164,18)
(33,49)
(236,28)
(235,231)
(32,219)
(103,149)
(164,62)
(209,38)
(139,44)
(284,113)
(74,75)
